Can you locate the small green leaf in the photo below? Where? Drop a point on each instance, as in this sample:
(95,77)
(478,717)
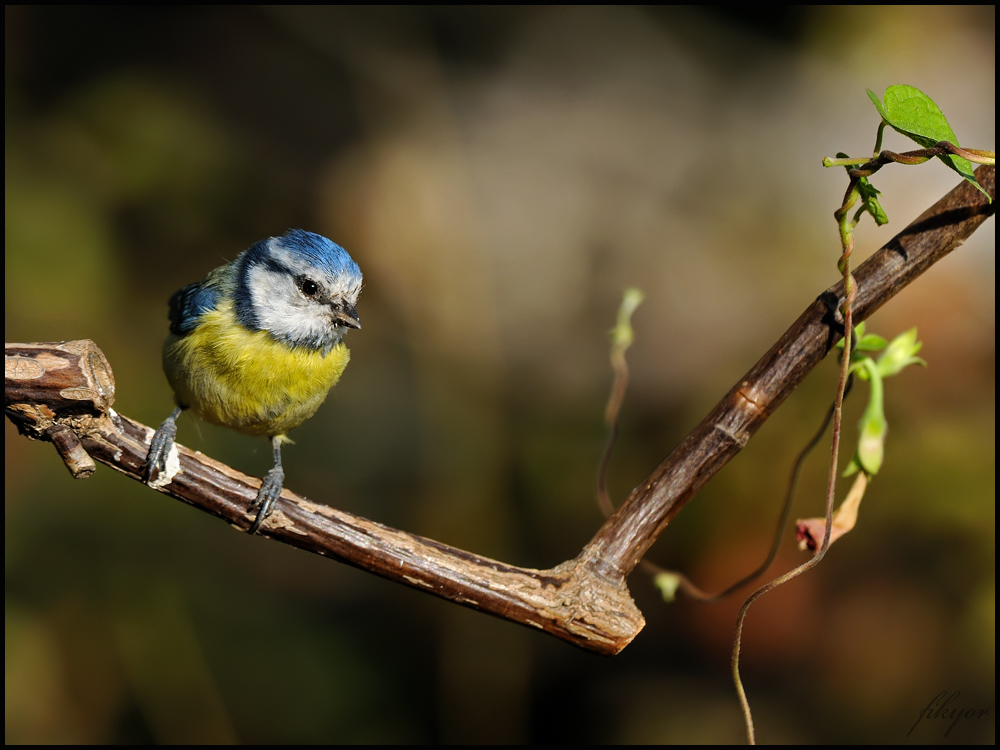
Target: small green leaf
(900,353)
(868,190)
(869,198)
(859,366)
(912,113)
(873,207)
(871,342)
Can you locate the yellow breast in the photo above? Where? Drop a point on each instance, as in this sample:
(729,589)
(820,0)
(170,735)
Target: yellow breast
(245,379)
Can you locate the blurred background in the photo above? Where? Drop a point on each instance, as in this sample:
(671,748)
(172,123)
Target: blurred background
(500,175)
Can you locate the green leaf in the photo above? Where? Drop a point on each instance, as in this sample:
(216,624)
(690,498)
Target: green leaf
(869,196)
(871,342)
(900,353)
(878,105)
(859,366)
(912,113)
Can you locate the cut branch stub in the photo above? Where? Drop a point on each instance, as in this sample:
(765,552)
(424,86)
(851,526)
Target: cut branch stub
(68,381)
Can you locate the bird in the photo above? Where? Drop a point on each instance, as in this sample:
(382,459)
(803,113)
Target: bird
(257,345)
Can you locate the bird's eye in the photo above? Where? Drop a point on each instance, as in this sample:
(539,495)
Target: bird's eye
(309,287)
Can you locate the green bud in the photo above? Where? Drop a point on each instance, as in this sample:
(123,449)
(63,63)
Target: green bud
(667,583)
(900,353)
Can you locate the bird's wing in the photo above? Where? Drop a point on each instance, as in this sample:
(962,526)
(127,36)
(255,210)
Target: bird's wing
(190,303)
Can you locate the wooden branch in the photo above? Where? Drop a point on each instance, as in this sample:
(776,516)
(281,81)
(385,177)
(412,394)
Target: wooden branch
(628,534)
(63,393)
(60,389)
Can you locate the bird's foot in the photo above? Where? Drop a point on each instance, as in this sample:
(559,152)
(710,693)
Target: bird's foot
(159,448)
(269,493)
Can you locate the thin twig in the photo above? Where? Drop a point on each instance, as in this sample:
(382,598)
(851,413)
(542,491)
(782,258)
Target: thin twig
(865,167)
(692,591)
(622,336)
(846,226)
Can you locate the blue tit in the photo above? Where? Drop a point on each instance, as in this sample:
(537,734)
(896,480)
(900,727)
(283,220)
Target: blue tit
(258,344)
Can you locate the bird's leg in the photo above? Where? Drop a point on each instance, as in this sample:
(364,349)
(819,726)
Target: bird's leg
(159,448)
(270,489)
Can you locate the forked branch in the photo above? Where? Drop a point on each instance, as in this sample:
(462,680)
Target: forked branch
(64,392)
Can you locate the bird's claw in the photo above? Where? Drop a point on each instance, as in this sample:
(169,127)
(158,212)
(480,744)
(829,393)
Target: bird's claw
(270,491)
(159,448)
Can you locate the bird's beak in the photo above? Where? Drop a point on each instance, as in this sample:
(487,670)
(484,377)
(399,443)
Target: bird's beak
(347,316)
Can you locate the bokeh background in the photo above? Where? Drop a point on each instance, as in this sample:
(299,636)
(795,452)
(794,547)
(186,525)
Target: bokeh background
(500,175)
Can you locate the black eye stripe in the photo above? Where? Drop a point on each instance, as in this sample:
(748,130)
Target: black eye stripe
(272,265)
(308,286)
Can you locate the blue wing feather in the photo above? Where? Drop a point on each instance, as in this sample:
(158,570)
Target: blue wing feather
(190,303)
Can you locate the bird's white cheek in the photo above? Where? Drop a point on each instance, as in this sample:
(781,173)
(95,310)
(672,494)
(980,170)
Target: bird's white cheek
(282,310)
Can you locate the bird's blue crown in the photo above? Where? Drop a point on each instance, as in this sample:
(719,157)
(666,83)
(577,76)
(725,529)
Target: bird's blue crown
(310,248)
